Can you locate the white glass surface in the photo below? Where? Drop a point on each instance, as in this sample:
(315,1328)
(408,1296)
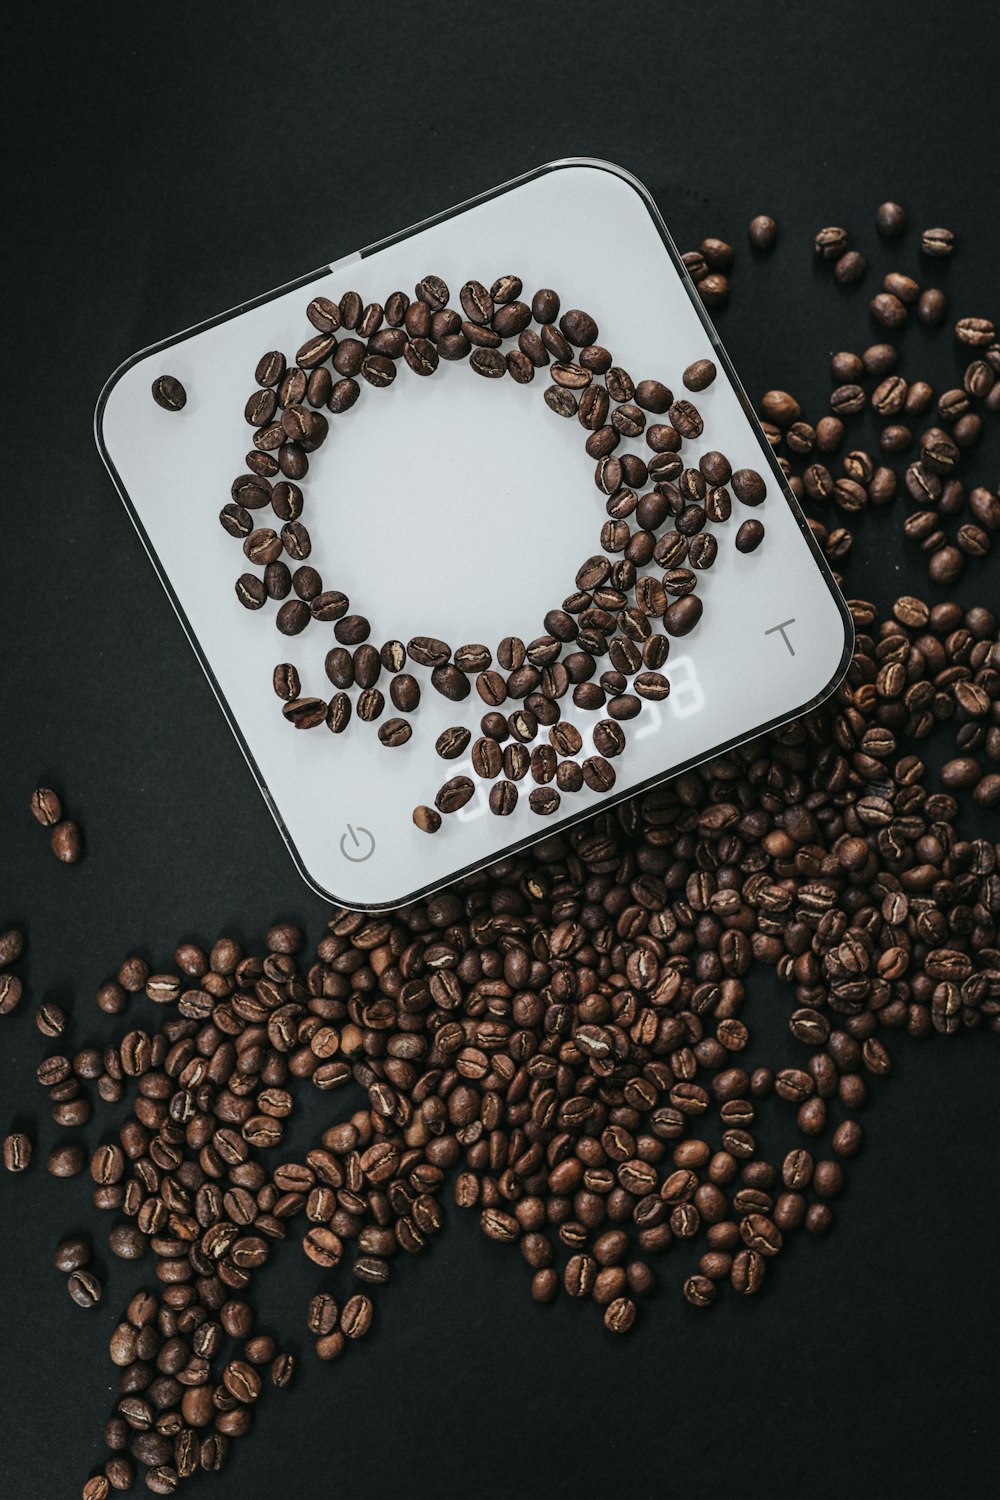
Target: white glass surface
(462,507)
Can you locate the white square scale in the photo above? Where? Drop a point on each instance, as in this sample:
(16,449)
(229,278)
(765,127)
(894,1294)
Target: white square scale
(461,508)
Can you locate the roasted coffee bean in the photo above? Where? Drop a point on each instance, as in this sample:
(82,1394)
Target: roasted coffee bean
(686,419)
(749,487)
(699,376)
(937,242)
(427,819)
(11,946)
(46,806)
(352,630)
(329,605)
(169,393)
(236,520)
(830,244)
(50,1019)
(454,794)
(979,333)
(749,536)
(562,402)
(343,394)
(17,1149)
(488,362)
(888,310)
(84,1288)
(452,743)
(847,400)
(578,327)
(395,732)
(763,232)
(850,268)
(378,370)
(890,220)
(370,705)
(338,713)
(713,289)
(293,617)
(71,1255)
(305,713)
(703,550)
(67,842)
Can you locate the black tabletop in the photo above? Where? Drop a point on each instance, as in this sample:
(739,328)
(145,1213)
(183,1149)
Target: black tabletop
(165,162)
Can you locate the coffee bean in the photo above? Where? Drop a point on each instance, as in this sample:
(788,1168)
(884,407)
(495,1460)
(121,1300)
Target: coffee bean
(848,399)
(50,1020)
(169,393)
(699,376)
(67,842)
(653,396)
(84,1288)
(324,315)
(17,1149)
(338,713)
(562,402)
(293,617)
(46,806)
(937,242)
(127,1242)
(454,794)
(686,419)
(850,268)
(830,244)
(749,536)
(488,362)
(682,616)
(978,333)
(394,732)
(578,327)
(888,310)
(427,819)
(713,290)
(890,220)
(931,307)
(71,1255)
(305,713)
(370,705)
(749,487)
(946,566)
(452,743)
(763,232)
(428,651)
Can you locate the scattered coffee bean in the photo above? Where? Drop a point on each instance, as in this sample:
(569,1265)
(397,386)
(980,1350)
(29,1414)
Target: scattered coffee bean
(890,220)
(763,232)
(84,1288)
(169,393)
(749,536)
(67,842)
(17,1148)
(699,376)
(46,806)
(937,242)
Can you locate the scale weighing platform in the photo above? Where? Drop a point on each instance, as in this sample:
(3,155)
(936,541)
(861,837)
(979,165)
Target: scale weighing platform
(461,508)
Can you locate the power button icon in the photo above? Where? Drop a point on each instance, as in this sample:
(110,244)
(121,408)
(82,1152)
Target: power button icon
(357,844)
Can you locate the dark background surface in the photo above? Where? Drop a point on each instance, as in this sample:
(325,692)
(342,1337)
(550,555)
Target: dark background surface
(163,163)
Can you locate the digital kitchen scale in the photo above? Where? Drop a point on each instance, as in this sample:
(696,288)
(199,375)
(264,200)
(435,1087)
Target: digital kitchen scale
(461,508)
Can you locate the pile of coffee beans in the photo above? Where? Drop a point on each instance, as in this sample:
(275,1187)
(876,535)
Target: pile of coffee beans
(952,521)
(562,1044)
(629,599)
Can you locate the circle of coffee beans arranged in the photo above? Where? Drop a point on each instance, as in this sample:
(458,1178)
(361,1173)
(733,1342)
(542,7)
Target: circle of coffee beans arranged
(619,614)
